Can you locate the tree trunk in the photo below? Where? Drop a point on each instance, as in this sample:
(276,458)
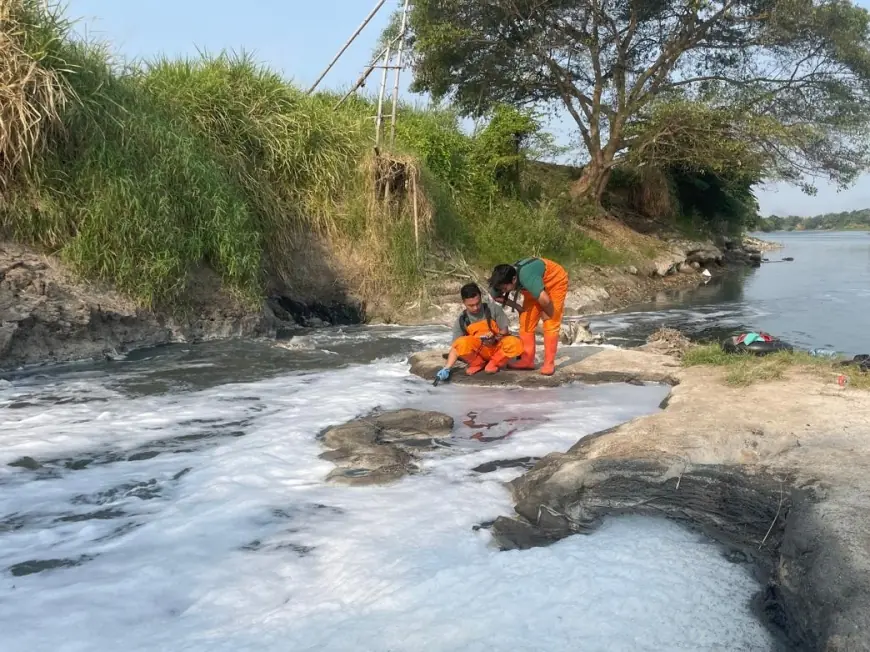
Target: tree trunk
(592,183)
(603,180)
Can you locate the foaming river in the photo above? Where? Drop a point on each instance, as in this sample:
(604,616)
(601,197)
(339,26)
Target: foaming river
(174,500)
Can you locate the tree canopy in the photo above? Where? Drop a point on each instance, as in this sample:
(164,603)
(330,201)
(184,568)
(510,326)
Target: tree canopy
(776,87)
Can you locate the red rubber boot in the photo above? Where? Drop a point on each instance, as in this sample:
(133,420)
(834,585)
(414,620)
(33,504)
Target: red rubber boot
(475,363)
(527,359)
(551,343)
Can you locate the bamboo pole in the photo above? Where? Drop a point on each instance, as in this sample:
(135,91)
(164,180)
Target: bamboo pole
(365,75)
(380,117)
(402,30)
(347,44)
(416,217)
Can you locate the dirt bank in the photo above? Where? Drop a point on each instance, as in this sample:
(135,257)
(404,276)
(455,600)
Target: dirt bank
(778,472)
(47,315)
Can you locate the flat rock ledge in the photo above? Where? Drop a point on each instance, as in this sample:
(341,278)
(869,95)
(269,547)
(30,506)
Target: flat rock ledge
(587,364)
(382,448)
(777,472)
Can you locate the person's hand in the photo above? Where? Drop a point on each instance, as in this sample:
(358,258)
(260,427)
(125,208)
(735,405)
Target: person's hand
(499,300)
(443,374)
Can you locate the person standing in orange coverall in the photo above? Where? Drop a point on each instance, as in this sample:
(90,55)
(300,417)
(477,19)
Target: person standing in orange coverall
(481,336)
(544,286)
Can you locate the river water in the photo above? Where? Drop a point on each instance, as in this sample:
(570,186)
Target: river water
(819,300)
(174,499)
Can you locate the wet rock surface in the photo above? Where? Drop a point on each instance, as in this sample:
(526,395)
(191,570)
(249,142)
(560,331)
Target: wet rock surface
(577,331)
(383,447)
(588,364)
(777,472)
(495,465)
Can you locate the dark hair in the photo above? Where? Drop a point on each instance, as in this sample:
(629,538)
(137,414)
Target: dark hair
(501,275)
(469,291)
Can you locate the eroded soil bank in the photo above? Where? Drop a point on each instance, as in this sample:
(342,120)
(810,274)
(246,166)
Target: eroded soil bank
(47,315)
(779,472)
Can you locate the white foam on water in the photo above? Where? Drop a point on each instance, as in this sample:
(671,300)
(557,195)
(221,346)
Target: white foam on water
(599,345)
(297,343)
(233,541)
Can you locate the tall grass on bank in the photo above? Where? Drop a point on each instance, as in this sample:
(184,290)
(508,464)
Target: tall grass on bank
(140,174)
(133,195)
(32,96)
(742,370)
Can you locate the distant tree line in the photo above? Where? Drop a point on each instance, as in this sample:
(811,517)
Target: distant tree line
(845,221)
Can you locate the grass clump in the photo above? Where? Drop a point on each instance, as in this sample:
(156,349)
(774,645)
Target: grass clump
(518,229)
(32,94)
(745,369)
(133,195)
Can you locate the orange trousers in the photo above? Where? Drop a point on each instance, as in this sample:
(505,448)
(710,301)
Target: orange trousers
(510,346)
(556,286)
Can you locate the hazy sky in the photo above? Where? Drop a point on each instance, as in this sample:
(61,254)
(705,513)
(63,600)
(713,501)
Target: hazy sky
(299,37)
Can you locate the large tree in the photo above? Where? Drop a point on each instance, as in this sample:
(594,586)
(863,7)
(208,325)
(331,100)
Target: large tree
(788,81)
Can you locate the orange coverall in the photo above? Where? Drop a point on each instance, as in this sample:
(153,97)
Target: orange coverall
(555,283)
(477,347)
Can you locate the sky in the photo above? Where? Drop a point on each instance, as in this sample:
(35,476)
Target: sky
(299,37)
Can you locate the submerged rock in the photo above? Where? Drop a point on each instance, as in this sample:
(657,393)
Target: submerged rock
(382,448)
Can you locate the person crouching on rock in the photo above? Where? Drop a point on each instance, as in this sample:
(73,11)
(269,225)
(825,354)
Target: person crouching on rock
(544,286)
(481,336)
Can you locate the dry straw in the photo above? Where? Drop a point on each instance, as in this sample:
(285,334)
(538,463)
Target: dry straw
(31,97)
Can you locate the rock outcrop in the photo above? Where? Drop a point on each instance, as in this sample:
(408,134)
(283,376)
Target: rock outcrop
(47,316)
(778,472)
(758,244)
(576,331)
(382,447)
(688,256)
(667,341)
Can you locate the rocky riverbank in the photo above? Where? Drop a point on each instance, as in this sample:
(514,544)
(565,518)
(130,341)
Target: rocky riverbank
(777,472)
(47,315)
(678,264)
